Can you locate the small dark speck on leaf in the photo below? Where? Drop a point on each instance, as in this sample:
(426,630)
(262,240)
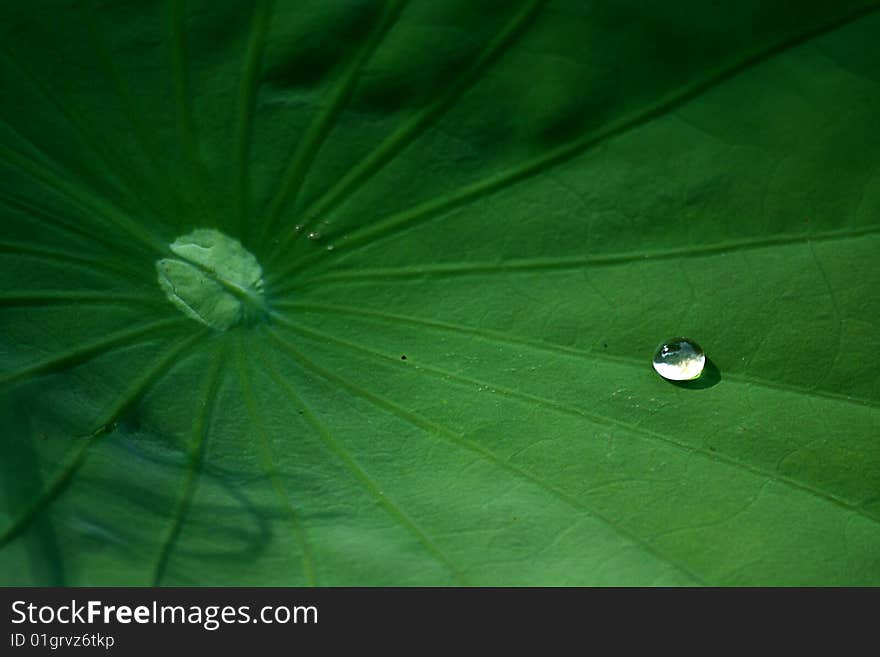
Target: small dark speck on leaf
(605,345)
(403,357)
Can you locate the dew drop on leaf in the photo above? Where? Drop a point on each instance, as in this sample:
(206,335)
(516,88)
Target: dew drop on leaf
(213,280)
(679,359)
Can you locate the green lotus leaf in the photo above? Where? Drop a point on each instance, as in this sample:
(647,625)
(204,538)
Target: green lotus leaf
(367,293)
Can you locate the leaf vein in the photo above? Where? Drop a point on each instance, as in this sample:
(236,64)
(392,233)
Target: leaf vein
(600,420)
(491,184)
(403,136)
(269,464)
(455,438)
(393,510)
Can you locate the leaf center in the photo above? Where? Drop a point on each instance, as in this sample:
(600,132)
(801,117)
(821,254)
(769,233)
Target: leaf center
(214,280)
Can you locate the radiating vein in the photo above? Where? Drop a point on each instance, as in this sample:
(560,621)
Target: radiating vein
(500,337)
(86,351)
(269,463)
(77,456)
(510,339)
(453,437)
(375,490)
(494,183)
(74,297)
(321,125)
(91,205)
(113,166)
(198,440)
(595,418)
(247,98)
(61,256)
(185,129)
(129,107)
(38,156)
(48,219)
(416,125)
(562,263)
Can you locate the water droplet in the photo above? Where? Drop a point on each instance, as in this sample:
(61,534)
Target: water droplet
(298,228)
(314,236)
(330,247)
(679,359)
(213,279)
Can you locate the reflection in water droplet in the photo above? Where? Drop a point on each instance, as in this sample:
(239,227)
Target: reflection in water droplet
(314,236)
(679,359)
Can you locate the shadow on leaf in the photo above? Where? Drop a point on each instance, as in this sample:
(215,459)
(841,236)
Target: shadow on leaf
(710,377)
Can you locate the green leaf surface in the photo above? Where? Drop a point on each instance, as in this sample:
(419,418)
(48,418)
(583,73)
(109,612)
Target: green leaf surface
(475,223)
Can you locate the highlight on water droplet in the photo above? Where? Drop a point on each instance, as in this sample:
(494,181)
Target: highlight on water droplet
(679,359)
(314,235)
